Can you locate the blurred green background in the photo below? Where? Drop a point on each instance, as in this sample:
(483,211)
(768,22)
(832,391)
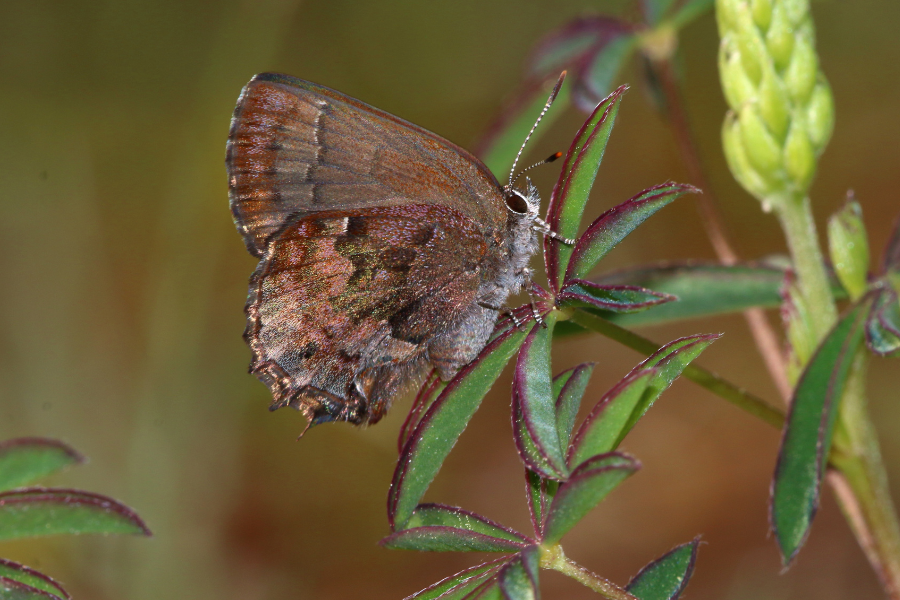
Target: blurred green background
(124,282)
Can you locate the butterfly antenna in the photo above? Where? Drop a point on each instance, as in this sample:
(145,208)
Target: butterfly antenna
(547,160)
(550,100)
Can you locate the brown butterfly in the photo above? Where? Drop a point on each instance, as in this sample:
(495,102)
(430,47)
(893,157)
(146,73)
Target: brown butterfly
(384,249)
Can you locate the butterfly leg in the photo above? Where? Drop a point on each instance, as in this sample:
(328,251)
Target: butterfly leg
(541,226)
(528,275)
(505,311)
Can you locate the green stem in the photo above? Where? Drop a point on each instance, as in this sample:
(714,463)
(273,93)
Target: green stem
(800,231)
(712,382)
(553,558)
(868,505)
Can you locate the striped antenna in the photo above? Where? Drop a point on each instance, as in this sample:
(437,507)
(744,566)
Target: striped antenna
(556,88)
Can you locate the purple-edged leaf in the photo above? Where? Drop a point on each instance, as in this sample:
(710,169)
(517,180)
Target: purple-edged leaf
(605,426)
(568,389)
(806,441)
(439,528)
(458,586)
(10,589)
(539,492)
(597,78)
(611,227)
(890,261)
(570,194)
(534,407)
(499,146)
(613,298)
(46,586)
(519,577)
(883,324)
(428,391)
(588,484)
(573,45)
(489,590)
(25,460)
(28,512)
(666,577)
(436,433)
(702,290)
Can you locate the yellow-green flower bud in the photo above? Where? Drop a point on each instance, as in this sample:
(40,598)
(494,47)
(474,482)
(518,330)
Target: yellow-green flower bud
(782,112)
(849,248)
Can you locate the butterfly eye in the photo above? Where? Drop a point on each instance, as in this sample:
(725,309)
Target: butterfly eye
(516,203)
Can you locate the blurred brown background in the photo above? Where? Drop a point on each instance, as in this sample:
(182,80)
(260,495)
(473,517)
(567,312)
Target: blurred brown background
(124,281)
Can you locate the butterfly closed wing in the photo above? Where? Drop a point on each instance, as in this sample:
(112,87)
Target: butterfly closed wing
(384,249)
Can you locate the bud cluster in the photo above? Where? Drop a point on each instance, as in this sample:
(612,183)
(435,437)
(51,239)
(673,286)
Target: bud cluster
(782,111)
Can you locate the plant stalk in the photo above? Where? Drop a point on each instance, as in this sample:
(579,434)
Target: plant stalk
(553,558)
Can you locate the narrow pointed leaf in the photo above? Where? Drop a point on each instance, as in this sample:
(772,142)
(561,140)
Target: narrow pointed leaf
(890,261)
(28,512)
(537,504)
(655,10)
(536,414)
(25,460)
(666,577)
(575,43)
(806,440)
(12,589)
(612,298)
(430,389)
(443,422)
(570,194)
(530,453)
(598,77)
(440,528)
(611,227)
(501,143)
(690,11)
(519,577)
(489,590)
(459,585)
(604,428)
(883,324)
(588,484)
(14,571)
(568,398)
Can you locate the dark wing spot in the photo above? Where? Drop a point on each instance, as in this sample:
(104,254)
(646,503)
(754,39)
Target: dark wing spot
(357,226)
(423,235)
(398,259)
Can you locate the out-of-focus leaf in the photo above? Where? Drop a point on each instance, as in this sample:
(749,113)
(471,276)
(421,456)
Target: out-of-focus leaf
(883,324)
(689,11)
(848,246)
(568,398)
(701,290)
(588,484)
(519,577)
(440,528)
(457,586)
(573,45)
(597,79)
(443,422)
(806,440)
(576,178)
(24,460)
(611,298)
(890,261)
(604,428)
(667,576)
(13,571)
(10,570)
(430,389)
(28,512)
(501,143)
(534,405)
(654,10)
(611,227)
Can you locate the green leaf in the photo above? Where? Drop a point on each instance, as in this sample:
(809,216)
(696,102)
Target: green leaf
(568,389)
(576,179)
(611,227)
(24,460)
(430,389)
(46,587)
(457,586)
(31,512)
(501,143)
(519,578)
(440,528)
(10,589)
(604,428)
(611,298)
(654,10)
(667,576)
(444,421)
(806,441)
(537,436)
(883,324)
(690,11)
(588,484)
(598,78)
(574,43)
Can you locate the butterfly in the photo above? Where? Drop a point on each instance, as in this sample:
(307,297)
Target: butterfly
(384,250)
